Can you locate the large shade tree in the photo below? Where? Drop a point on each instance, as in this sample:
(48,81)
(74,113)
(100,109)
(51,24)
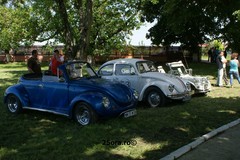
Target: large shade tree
(192,22)
(84,26)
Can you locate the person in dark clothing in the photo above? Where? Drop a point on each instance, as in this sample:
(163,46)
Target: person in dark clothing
(33,63)
(210,55)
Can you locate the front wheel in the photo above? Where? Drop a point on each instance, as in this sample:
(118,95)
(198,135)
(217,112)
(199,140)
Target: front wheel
(155,97)
(84,114)
(13,104)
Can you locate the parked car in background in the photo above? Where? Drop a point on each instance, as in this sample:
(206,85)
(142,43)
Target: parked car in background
(77,92)
(153,87)
(199,84)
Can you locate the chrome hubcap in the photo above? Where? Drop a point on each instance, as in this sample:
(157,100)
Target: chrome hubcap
(154,99)
(12,104)
(83,117)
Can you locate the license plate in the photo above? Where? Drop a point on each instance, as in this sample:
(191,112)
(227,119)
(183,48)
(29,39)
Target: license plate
(130,113)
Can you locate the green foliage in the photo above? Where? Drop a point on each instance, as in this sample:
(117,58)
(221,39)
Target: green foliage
(218,44)
(192,22)
(237,13)
(113,21)
(13,27)
(70,22)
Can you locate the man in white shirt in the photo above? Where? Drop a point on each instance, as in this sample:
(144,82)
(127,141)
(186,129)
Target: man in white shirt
(221,63)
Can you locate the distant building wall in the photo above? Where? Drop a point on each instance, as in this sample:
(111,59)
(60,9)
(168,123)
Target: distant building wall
(153,53)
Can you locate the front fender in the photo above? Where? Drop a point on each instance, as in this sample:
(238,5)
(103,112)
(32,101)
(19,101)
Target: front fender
(94,99)
(19,91)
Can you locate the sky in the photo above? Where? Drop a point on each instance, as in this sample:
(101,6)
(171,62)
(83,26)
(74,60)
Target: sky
(139,36)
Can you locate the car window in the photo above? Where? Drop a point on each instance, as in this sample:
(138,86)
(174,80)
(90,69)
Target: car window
(79,70)
(180,70)
(146,66)
(106,70)
(124,69)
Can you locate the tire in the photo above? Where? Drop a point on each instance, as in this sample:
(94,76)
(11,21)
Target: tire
(84,114)
(155,97)
(13,104)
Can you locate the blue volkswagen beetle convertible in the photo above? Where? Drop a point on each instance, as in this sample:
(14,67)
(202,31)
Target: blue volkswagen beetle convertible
(76,92)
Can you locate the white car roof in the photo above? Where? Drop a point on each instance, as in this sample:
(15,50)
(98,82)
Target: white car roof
(125,60)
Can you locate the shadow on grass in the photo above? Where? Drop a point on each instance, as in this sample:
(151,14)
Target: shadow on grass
(156,131)
(5,81)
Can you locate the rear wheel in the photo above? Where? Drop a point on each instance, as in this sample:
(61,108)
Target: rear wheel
(84,114)
(155,97)
(13,104)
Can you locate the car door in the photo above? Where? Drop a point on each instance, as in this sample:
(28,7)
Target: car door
(47,94)
(126,74)
(34,94)
(55,96)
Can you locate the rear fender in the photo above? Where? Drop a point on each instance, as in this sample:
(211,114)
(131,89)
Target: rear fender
(19,91)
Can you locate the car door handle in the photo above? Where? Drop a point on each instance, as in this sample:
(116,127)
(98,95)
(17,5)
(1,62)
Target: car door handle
(40,85)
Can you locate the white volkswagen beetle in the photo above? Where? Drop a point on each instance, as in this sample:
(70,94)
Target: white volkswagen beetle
(199,84)
(153,87)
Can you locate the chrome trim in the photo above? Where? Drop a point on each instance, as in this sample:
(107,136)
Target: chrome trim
(178,96)
(45,110)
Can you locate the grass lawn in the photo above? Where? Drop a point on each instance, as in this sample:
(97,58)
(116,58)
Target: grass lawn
(152,134)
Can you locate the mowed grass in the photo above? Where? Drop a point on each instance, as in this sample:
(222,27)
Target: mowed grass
(152,134)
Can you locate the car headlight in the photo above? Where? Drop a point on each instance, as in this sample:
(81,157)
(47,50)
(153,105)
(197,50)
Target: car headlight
(135,94)
(105,102)
(196,80)
(205,80)
(188,85)
(171,87)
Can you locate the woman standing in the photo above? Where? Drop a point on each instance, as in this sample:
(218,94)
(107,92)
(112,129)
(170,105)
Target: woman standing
(56,61)
(234,64)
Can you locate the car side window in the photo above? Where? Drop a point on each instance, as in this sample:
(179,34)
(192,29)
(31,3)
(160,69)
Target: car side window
(106,70)
(141,68)
(124,69)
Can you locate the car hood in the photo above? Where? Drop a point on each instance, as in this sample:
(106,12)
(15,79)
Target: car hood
(177,82)
(195,79)
(118,91)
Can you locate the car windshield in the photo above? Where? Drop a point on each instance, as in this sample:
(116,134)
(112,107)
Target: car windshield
(78,70)
(146,66)
(178,70)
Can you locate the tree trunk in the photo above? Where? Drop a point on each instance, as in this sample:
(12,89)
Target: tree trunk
(79,48)
(69,43)
(196,55)
(85,30)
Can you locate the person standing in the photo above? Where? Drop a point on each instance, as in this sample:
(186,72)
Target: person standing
(210,55)
(224,69)
(33,64)
(220,60)
(56,60)
(234,64)
(7,56)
